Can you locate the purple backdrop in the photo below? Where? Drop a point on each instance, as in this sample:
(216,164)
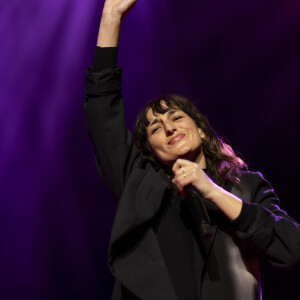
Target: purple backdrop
(239,60)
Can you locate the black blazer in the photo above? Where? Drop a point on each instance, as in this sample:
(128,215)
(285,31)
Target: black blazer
(231,270)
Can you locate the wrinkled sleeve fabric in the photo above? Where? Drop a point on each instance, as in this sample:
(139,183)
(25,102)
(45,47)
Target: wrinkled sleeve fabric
(114,150)
(267,227)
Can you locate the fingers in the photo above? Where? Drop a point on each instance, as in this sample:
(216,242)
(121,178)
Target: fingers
(181,182)
(181,163)
(185,173)
(184,167)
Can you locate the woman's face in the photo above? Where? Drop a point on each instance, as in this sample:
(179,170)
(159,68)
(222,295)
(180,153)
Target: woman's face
(174,135)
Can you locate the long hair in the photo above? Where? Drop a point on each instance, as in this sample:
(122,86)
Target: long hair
(220,159)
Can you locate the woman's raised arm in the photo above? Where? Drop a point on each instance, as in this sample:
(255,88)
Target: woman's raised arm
(114,150)
(113,13)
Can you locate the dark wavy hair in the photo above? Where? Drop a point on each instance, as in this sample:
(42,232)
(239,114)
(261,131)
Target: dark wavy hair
(221,160)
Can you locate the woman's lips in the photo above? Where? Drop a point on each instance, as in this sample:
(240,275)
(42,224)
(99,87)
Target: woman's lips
(176,138)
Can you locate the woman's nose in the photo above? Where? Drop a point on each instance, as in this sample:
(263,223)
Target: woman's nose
(169,129)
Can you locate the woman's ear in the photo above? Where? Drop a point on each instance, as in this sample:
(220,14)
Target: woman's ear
(201,133)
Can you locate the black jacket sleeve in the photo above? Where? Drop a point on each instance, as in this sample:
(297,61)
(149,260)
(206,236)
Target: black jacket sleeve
(267,227)
(114,150)
(105,58)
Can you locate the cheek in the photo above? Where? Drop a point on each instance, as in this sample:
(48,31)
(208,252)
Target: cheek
(153,143)
(196,137)
(156,144)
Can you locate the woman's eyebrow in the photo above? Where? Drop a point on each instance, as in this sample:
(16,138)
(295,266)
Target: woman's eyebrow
(172,112)
(154,122)
(169,114)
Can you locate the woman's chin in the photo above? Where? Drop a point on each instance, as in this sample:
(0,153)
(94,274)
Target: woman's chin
(190,155)
(184,153)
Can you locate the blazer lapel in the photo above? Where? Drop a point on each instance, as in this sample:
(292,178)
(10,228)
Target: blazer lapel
(135,257)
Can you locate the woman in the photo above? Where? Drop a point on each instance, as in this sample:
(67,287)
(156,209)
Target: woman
(155,251)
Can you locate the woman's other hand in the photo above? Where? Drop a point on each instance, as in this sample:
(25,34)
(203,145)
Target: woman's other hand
(190,173)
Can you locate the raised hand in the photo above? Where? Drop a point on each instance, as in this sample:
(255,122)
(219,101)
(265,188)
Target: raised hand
(113,13)
(117,8)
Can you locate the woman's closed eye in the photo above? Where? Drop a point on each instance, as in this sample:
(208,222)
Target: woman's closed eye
(177,118)
(155,129)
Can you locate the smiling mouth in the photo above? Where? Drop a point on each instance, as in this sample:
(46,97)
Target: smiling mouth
(176,139)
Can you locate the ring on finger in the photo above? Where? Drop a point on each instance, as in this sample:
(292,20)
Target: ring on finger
(183,173)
